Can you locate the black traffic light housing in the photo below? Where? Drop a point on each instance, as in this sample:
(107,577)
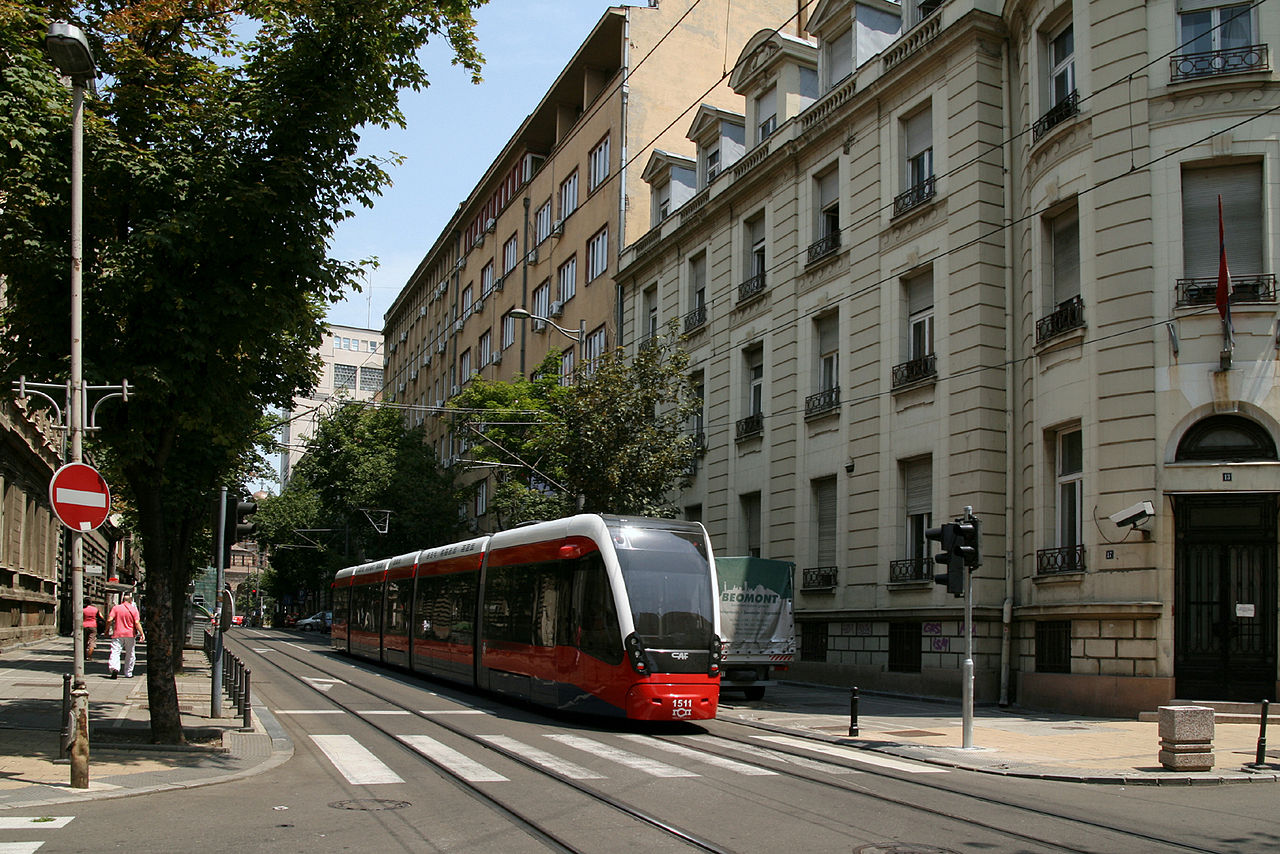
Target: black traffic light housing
(237,525)
(948,538)
(969,541)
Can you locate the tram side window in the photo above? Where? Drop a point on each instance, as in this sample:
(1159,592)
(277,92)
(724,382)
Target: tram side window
(397,616)
(525,604)
(340,599)
(594,613)
(445,608)
(365,602)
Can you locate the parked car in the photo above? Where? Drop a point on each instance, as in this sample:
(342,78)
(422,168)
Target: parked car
(317,622)
(237,620)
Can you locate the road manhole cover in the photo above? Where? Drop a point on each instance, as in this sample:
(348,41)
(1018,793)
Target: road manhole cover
(369,804)
(901,848)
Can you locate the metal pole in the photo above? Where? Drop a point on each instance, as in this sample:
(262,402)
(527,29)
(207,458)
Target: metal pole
(215,688)
(967,687)
(79,692)
(853,710)
(1260,757)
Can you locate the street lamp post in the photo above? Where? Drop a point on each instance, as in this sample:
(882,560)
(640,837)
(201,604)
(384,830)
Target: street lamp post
(580,336)
(69,49)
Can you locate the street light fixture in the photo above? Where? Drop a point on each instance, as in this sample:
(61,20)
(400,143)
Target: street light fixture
(68,47)
(580,336)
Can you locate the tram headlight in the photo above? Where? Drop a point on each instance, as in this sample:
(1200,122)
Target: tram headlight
(717,650)
(637,655)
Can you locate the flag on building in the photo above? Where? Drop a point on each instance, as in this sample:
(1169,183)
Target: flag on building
(1224,278)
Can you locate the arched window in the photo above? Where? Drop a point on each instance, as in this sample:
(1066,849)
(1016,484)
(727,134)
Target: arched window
(1226,438)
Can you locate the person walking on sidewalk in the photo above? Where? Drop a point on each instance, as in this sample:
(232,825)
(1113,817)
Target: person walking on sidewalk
(92,614)
(125,625)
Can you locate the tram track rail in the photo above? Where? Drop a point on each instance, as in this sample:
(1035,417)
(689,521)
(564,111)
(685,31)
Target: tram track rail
(929,789)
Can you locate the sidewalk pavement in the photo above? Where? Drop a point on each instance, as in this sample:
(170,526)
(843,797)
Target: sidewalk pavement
(122,761)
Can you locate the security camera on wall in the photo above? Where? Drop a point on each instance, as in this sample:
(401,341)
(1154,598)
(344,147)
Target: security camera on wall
(1133,516)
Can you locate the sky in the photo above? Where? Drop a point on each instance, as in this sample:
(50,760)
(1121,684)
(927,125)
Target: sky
(454,131)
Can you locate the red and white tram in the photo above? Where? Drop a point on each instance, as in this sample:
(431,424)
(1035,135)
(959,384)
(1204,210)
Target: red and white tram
(604,615)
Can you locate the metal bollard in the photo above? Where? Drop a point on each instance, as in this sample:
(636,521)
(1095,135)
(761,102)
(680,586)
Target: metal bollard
(247,709)
(1259,759)
(239,686)
(853,711)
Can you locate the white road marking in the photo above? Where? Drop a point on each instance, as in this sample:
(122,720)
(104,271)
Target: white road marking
(371,712)
(455,762)
(307,712)
(321,683)
(354,761)
(776,755)
(863,756)
(20,847)
(622,757)
(262,649)
(298,646)
(702,756)
(547,760)
(11,823)
(454,712)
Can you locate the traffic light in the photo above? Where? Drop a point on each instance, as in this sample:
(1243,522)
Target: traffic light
(948,538)
(237,525)
(969,542)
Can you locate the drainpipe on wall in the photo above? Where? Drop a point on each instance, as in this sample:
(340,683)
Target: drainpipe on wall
(1006,611)
(524,284)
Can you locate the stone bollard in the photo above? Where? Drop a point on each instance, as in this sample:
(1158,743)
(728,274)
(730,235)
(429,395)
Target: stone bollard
(1186,738)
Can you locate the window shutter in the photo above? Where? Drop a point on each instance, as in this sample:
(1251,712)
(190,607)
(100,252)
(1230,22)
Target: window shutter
(1241,189)
(827,188)
(1066,257)
(828,334)
(918,480)
(919,293)
(824,493)
(918,132)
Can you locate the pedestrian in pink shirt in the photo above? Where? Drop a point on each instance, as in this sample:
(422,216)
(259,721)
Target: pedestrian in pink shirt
(125,625)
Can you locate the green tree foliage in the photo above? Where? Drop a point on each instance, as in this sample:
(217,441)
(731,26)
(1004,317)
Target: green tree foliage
(617,438)
(221,151)
(362,466)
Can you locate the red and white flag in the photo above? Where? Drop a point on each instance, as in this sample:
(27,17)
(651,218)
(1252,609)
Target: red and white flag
(1224,278)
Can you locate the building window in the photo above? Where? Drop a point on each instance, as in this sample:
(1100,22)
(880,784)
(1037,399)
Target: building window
(1062,292)
(839,58)
(344,376)
(542,223)
(754,243)
(826,215)
(766,113)
(1067,555)
(697,315)
(508,330)
(598,165)
(917,136)
(567,280)
(482,497)
(751,523)
(661,195)
(813,641)
(917,348)
(510,254)
(824,521)
(917,489)
(1218,40)
(541,302)
(371,379)
(486,286)
(826,396)
(1240,186)
(464,365)
(569,195)
(566,367)
(1053,646)
(1062,65)
(486,348)
(905,647)
(598,254)
(468,296)
(755,381)
(710,164)
(649,314)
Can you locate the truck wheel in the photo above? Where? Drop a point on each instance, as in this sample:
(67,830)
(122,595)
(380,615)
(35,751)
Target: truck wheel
(754,693)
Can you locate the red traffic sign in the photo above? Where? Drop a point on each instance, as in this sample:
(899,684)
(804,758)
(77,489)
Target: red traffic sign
(80,497)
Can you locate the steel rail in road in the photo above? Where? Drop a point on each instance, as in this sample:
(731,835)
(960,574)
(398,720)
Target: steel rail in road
(530,825)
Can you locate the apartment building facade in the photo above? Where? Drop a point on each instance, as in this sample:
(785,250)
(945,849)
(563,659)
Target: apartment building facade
(542,227)
(964,254)
(351,370)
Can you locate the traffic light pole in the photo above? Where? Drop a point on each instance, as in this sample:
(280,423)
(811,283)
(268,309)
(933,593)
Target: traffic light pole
(967,668)
(215,689)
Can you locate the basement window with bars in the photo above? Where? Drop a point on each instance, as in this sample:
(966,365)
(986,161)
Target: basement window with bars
(904,647)
(1053,646)
(813,641)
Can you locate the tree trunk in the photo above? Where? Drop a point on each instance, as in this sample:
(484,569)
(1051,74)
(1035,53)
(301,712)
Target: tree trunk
(164,564)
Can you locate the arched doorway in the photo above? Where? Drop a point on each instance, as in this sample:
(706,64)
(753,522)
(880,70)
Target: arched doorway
(1225,572)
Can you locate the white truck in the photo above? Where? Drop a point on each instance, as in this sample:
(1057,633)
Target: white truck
(757,622)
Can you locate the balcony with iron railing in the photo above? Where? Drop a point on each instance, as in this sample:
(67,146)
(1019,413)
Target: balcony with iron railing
(825,401)
(695,319)
(751,426)
(751,288)
(915,196)
(1204,290)
(912,569)
(1061,111)
(825,245)
(916,370)
(1210,63)
(1060,560)
(1069,315)
(818,578)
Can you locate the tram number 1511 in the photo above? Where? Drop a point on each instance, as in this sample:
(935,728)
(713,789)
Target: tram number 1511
(681,708)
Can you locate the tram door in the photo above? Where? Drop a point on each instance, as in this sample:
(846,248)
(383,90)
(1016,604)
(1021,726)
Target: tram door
(1225,608)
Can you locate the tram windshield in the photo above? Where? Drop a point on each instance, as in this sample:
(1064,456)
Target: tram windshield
(668,580)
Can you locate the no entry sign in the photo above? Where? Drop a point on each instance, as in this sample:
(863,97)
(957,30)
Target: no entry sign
(80,496)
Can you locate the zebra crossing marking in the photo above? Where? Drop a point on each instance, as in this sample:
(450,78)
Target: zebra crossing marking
(549,761)
(699,756)
(854,755)
(776,755)
(623,757)
(19,823)
(20,847)
(354,761)
(457,763)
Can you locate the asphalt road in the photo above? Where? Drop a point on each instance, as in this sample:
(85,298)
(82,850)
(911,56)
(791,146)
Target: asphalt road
(388,762)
